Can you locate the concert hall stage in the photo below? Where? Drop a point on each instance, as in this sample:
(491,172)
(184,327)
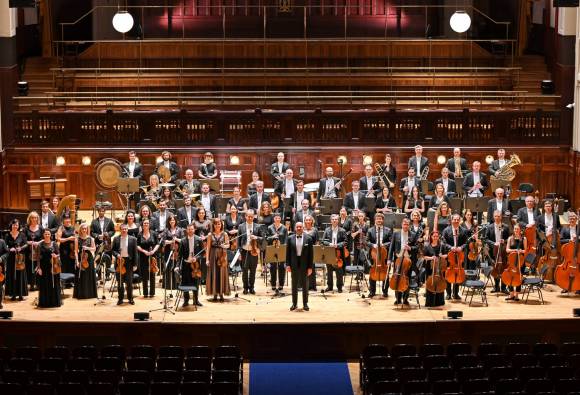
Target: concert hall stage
(335,327)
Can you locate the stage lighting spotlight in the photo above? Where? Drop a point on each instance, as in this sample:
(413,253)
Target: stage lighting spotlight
(60,161)
(441,159)
(342,160)
(454,314)
(234,160)
(367,159)
(86,160)
(460,21)
(6,315)
(122,21)
(489,159)
(141,316)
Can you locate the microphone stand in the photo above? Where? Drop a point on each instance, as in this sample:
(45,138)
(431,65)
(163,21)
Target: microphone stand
(165,307)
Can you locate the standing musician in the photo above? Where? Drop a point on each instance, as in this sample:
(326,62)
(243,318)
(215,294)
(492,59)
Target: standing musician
(418,161)
(170,238)
(125,251)
(298,196)
(439,196)
(442,217)
(433,249)
(47,218)
(100,226)
(497,163)
(334,236)
(152,191)
(389,169)
(527,215)
(457,165)
(303,212)
(147,245)
(496,235)
(416,225)
(475,183)
(329,186)
(208,201)
(516,243)
(257,198)
(277,234)
(160,217)
(237,201)
(448,184)
(265,216)
(131,222)
(250,237)
(345,221)
(568,233)
(500,202)
(85,276)
(355,200)
(48,280)
(54,203)
(251,188)
(284,188)
(454,238)
(549,221)
(186,214)
(207,169)
(189,248)
(232,222)
(299,262)
(15,276)
(217,282)
(65,236)
(3,267)
(369,184)
(358,235)
(189,186)
(403,240)
(33,233)
(311,230)
(376,236)
(170,165)
(132,169)
(278,169)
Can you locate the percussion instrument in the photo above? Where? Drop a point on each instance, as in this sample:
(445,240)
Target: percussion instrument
(108,171)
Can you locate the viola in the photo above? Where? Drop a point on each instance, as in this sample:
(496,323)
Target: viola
(254,249)
(455,273)
(153,268)
(121,269)
(2,276)
(84,260)
(195,267)
(234,244)
(473,247)
(567,275)
(436,281)
(55,262)
(379,269)
(399,280)
(512,275)
(20,262)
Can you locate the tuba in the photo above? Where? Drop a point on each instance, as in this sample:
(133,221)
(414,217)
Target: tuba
(506,172)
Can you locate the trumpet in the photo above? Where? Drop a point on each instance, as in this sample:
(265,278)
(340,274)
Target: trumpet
(384,177)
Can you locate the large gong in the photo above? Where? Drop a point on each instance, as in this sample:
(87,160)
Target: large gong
(108,173)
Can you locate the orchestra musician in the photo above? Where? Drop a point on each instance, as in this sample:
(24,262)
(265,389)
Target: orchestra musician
(65,236)
(456,165)
(249,232)
(369,184)
(526,216)
(257,198)
(475,183)
(100,226)
(47,217)
(404,240)
(500,202)
(188,185)
(376,236)
(207,200)
(416,225)
(131,221)
(237,201)
(568,233)
(329,186)
(207,169)
(299,262)
(33,234)
(186,214)
(407,184)
(233,221)
(284,188)
(300,215)
(516,243)
(169,164)
(277,233)
(312,231)
(125,252)
(433,249)
(549,221)
(133,169)
(85,276)
(170,238)
(415,201)
(496,235)
(54,203)
(251,188)
(498,163)
(418,161)
(442,218)
(167,197)
(152,191)
(265,216)
(334,236)
(358,235)
(49,293)
(145,213)
(3,260)
(345,221)
(355,200)
(159,217)
(389,169)
(385,203)
(454,238)
(448,184)
(147,245)
(298,196)
(439,197)
(468,222)
(278,169)
(15,279)
(217,280)
(189,248)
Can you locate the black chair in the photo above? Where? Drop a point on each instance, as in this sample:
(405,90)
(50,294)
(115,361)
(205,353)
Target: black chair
(372,350)
(199,351)
(574,361)
(137,376)
(464,360)
(170,363)
(198,376)
(40,389)
(517,348)
(473,386)
(412,374)
(492,360)
(403,350)
(70,389)
(30,352)
(416,387)
(171,352)
(166,376)
(5,355)
(470,373)
(500,373)
(46,377)
(56,364)
(570,348)
(441,374)
(485,349)
(540,349)
(556,373)
(61,352)
(528,373)
(105,376)
(435,361)
(75,377)
(507,385)
(198,363)
(445,387)
(377,374)
(385,387)
(16,377)
(454,349)
(408,361)
(533,385)
(520,360)
(133,388)
(109,363)
(87,351)
(431,349)
(85,364)
(164,388)
(144,351)
(567,386)
(141,363)
(227,351)
(113,351)
(100,388)
(195,387)
(224,388)
(548,360)
(476,287)
(231,376)
(24,364)
(11,388)
(534,284)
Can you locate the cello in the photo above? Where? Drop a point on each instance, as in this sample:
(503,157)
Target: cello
(436,281)
(567,275)
(512,274)
(455,273)
(379,269)
(551,254)
(530,251)
(400,281)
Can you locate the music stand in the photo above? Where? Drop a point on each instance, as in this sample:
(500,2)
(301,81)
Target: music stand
(325,254)
(214,184)
(425,187)
(221,203)
(371,204)
(330,206)
(276,255)
(322,220)
(459,186)
(127,186)
(476,204)
(456,205)
(178,203)
(394,220)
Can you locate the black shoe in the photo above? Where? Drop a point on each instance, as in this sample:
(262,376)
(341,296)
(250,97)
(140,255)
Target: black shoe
(293,307)
(221,298)
(198,304)
(119,302)
(406,302)
(564,291)
(185,304)
(274,289)
(494,291)
(328,290)
(371,294)
(280,288)
(340,290)
(509,298)
(385,295)
(215,298)
(245,291)
(306,308)
(448,297)
(13,298)
(397,303)
(131,301)
(20,298)
(516,299)
(252,291)
(456,297)
(505,292)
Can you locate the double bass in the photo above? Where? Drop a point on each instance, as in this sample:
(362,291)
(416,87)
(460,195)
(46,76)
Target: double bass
(498,266)
(551,254)
(436,281)
(400,281)
(567,275)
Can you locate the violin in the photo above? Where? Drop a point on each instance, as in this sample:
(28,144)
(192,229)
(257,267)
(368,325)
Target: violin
(400,281)
(195,266)
(20,262)
(379,269)
(254,249)
(223,257)
(455,273)
(84,260)
(567,275)
(512,275)
(55,262)
(473,246)
(234,244)
(436,281)
(121,266)
(153,268)
(2,276)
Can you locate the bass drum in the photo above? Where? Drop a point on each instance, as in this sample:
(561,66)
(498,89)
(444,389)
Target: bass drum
(108,171)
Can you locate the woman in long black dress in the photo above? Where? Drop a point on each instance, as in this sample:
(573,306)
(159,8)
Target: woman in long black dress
(131,221)
(47,279)
(15,279)
(33,233)
(202,229)
(85,276)
(237,201)
(171,236)
(469,224)
(3,260)
(65,236)
(516,243)
(311,231)
(431,250)
(147,246)
(217,281)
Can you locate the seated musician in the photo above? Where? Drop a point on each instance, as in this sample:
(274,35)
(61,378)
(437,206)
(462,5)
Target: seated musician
(311,231)
(354,200)
(152,191)
(454,238)
(278,169)
(284,188)
(407,184)
(125,251)
(498,163)
(257,198)
(298,196)
(456,165)
(237,201)
(277,233)
(186,214)
(415,201)
(189,186)
(207,169)
(208,201)
(167,197)
(500,202)
(304,211)
(448,184)
(376,236)
(404,241)
(334,236)
(102,225)
(385,202)
(516,243)
(439,196)
(369,184)
(496,235)
(418,161)
(329,186)
(169,164)
(433,249)
(251,188)
(190,248)
(389,169)
(475,183)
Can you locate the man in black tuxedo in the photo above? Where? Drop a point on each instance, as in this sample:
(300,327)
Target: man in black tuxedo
(329,186)
(548,222)
(208,201)
(404,241)
(102,225)
(186,214)
(125,248)
(455,239)
(355,200)
(418,161)
(257,198)
(278,169)
(247,232)
(475,183)
(285,187)
(335,236)
(377,236)
(369,184)
(445,179)
(299,262)
(498,163)
(189,185)
(189,247)
(47,218)
(495,236)
(133,169)
(457,164)
(527,215)
(500,203)
(169,164)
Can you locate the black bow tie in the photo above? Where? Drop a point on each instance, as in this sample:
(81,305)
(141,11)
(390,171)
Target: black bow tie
(298,237)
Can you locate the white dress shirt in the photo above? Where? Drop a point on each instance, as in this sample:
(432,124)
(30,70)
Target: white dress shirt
(206,202)
(531,219)
(124,246)
(131,169)
(299,243)
(289,187)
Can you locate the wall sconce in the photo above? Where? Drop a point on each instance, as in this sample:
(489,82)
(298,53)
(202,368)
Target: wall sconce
(342,160)
(234,160)
(60,161)
(489,159)
(86,160)
(367,160)
(441,159)
(159,159)
(136,159)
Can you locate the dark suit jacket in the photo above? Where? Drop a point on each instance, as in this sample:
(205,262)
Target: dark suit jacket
(395,246)
(137,171)
(131,249)
(275,173)
(565,234)
(523,216)
(392,172)
(212,204)
(489,234)
(182,216)
(305,261)
(494,166)
(253,202)
(282,233)
(451,187)
(372,237)
(403,184)
(341,237)
(468,182)
(243,234)
(186,278)
(299,217)
(108,227)
(155,225)
(281,187)
(413,163)
(52,222)
(451,166)
(196,185)
(447,237)
(298,205)
(173,169)
(376,187)
(348,202)
(541,222)
(322,187)
(492,206)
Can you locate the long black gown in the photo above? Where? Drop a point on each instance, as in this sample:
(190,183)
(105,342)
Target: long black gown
(15,279)
(31,255)
(48,284)
(170,281)
(147,277)
(66,250)
(433,299)
(85,279)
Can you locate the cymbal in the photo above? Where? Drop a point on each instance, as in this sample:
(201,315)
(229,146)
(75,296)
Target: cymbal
(167,185)
(311,187)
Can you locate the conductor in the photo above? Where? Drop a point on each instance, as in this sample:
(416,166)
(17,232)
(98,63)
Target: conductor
(299,262)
